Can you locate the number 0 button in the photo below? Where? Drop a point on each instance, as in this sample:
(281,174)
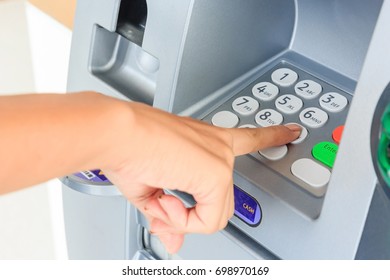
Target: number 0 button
(284,77)
(313,117)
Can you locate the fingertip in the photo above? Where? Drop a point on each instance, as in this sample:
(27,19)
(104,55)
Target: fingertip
(294,127)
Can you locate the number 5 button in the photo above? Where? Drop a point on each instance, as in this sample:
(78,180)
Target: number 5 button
(288,104)
(313,117)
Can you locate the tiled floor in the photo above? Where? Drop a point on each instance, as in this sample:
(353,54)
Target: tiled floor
(34,51)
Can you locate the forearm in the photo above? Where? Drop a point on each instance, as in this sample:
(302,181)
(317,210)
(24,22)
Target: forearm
(50,135)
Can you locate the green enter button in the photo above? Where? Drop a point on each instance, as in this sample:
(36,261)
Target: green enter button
(325,152)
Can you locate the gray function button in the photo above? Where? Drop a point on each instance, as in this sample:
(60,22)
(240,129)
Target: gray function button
(225,119)
(313,174)
(284,77)
(268,117)
(308,89)
(265,91)
(245,105)
(333,102)
(288,104)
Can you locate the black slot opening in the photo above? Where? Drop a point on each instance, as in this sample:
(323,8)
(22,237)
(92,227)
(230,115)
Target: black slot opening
(132,20)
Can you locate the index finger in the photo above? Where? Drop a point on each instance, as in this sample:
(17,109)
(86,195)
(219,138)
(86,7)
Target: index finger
(248,140)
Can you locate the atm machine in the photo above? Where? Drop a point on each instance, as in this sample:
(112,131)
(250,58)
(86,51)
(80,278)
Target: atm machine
(322,64)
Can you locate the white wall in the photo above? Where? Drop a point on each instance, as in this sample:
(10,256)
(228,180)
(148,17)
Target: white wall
(34,53)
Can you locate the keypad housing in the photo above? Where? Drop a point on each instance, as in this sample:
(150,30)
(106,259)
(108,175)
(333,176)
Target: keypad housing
(309,97)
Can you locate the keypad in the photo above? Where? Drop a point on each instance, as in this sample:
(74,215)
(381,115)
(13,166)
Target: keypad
(283,95)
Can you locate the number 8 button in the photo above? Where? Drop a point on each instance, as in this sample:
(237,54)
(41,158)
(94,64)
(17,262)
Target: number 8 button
(268,117)
(313,117)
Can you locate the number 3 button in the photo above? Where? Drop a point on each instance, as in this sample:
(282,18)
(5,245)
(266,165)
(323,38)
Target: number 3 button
(333,102)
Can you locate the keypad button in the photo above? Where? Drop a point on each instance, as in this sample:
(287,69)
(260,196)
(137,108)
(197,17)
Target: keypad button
(225,119)
(268,117)
(313,174)
(245,105)
(337,133)
(333,102)
(313,117)
(284,77)
(274,153)
(325,152)
(288,104)
(302,136)
(308,89)
(247,126)
(265,91)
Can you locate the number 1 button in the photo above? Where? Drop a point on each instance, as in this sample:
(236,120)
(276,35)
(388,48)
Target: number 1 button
(284,77)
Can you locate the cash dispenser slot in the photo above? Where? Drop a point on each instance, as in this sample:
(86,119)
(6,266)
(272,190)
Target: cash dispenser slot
(132,20)
(118,59)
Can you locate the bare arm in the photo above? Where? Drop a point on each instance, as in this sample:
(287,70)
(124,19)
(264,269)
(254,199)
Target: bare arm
(141,149)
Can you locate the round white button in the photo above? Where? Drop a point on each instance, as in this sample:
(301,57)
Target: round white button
(274,153)
(313,117)
(302,136)
(313,174)
(265,91)
(247,126)
(288,104)
(308,89)
(268,117)
(225,119)
(284,77)
(245,105)
(333,102)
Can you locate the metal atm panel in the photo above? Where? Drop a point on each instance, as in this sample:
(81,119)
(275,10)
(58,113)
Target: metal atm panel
(190,57)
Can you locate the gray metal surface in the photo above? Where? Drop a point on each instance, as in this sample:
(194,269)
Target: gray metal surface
(202,53)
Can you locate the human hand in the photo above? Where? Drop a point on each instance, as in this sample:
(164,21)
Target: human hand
(165,151)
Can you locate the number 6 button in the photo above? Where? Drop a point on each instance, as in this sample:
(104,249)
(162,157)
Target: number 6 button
(313,117)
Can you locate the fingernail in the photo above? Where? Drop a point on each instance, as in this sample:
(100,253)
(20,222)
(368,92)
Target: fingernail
(293,127)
